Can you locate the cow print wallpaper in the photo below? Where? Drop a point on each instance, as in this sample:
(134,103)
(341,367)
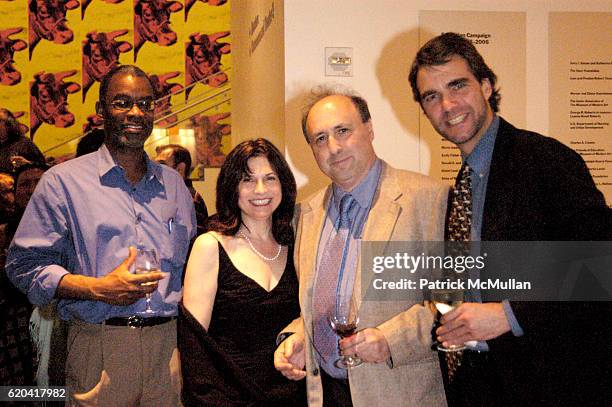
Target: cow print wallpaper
(55,52)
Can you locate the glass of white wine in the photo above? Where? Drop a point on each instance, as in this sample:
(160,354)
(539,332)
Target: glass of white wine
(444,301)
(146,262)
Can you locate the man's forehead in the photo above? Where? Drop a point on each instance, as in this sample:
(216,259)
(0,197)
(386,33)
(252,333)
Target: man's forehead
(331,107)
(165,154)
(334,101)
(455,66)
(125,83)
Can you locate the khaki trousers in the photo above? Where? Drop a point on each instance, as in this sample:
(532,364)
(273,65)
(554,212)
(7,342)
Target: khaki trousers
(122,366)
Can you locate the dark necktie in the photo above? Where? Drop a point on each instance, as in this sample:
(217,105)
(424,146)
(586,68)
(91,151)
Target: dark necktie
(331,266)
(460,217)
(459,230)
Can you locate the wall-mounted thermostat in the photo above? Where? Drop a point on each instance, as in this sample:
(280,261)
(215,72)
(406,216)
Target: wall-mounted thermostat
(338,61)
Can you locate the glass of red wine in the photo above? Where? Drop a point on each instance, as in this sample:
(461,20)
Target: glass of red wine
(343,319)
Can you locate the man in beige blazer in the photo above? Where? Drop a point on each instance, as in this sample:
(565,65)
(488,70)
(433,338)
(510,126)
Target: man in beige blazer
(394,337)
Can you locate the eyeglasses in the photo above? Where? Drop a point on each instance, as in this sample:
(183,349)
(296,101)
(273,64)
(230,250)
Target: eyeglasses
(145,105)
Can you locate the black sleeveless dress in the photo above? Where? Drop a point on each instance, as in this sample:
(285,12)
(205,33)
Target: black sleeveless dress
(245,322)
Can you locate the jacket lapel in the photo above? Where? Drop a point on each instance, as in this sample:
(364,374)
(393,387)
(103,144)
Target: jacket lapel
(313,217)
(381,221)
(499,195)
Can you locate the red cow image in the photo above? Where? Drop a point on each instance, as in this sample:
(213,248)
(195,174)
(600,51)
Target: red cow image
(208,134)
(203,59)
(94,121)
(163,90)
(152,22)
(86,3)
(190,3)
(49,100)
(8,74)
(100,54)
(48,21)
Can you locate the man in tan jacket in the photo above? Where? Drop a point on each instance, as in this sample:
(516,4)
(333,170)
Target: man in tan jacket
(394,337)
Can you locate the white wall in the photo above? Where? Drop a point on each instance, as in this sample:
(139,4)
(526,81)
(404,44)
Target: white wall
(383,35)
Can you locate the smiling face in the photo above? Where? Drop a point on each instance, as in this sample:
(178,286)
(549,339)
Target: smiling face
(259,192)
(455,102)
(127,110)
(340,141)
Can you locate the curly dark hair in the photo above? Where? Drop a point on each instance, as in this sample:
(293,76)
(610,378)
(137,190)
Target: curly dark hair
(228,218)
(440,50)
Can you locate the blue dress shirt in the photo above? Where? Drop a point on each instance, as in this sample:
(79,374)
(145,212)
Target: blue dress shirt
(479,161)
(358,215)
(81,219)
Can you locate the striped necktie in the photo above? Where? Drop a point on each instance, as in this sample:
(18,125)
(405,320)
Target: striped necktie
(325,290)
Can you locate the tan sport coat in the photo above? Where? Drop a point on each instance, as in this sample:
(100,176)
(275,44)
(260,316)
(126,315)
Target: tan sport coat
(407,207)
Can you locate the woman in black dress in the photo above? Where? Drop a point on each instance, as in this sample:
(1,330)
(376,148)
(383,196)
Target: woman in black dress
(241,288)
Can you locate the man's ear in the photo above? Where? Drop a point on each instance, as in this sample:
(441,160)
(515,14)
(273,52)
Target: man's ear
(180,168)
(370,129)
(487,89)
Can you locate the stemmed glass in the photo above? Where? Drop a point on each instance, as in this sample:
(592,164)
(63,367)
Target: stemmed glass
(343,319)
(146,262)
(444,301)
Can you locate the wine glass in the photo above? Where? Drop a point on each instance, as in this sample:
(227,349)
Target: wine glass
(146,262)
(343,319)
(445,301)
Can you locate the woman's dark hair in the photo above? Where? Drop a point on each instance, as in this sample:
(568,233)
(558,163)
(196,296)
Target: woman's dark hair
(228,218)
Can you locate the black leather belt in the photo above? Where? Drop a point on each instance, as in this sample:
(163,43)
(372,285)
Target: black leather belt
(136,321)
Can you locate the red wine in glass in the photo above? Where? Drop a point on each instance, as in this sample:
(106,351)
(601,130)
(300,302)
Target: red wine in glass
(344,330)
(343,320)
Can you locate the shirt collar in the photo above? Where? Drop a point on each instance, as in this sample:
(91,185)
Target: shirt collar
(106,164)
(479,159)
(363,193)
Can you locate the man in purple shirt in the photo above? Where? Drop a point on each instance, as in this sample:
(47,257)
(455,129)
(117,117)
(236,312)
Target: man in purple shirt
(77,244)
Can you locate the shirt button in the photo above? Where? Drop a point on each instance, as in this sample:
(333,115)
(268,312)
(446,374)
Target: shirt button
(138,218)
(315,372)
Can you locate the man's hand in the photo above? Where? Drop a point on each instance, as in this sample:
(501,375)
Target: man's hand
(472,322)
(370,345)
(290,357)
(120,287)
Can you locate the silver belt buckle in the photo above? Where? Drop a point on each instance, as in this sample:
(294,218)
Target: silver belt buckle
(135,321)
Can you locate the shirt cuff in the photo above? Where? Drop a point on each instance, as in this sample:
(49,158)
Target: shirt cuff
(45,284)
(282,336)
(514,324)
